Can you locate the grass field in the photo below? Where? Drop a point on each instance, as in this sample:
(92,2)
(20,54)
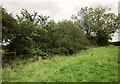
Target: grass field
(93,65)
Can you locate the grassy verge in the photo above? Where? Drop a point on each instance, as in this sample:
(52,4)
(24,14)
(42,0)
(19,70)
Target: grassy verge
(94,65)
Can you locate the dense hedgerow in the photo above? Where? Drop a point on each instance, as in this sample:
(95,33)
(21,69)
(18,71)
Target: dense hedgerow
(34,34)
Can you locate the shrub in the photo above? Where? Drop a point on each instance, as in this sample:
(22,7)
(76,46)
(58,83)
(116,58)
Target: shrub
(67,38)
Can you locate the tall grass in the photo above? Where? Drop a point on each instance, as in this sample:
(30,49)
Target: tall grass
(94,65)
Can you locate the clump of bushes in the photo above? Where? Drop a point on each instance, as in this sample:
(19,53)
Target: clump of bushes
(60,38)
(67,38)
(36,35)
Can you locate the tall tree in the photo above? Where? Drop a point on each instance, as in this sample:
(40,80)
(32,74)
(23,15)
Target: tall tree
(98,23)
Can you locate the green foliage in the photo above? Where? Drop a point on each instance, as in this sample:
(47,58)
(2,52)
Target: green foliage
(97,23)
(36,35)
(28,26)
(9,26)
(65,38)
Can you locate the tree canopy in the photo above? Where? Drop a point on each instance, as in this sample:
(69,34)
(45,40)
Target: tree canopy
(97,23)
(35,34)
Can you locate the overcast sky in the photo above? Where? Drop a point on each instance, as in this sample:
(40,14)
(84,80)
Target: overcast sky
(57,9)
